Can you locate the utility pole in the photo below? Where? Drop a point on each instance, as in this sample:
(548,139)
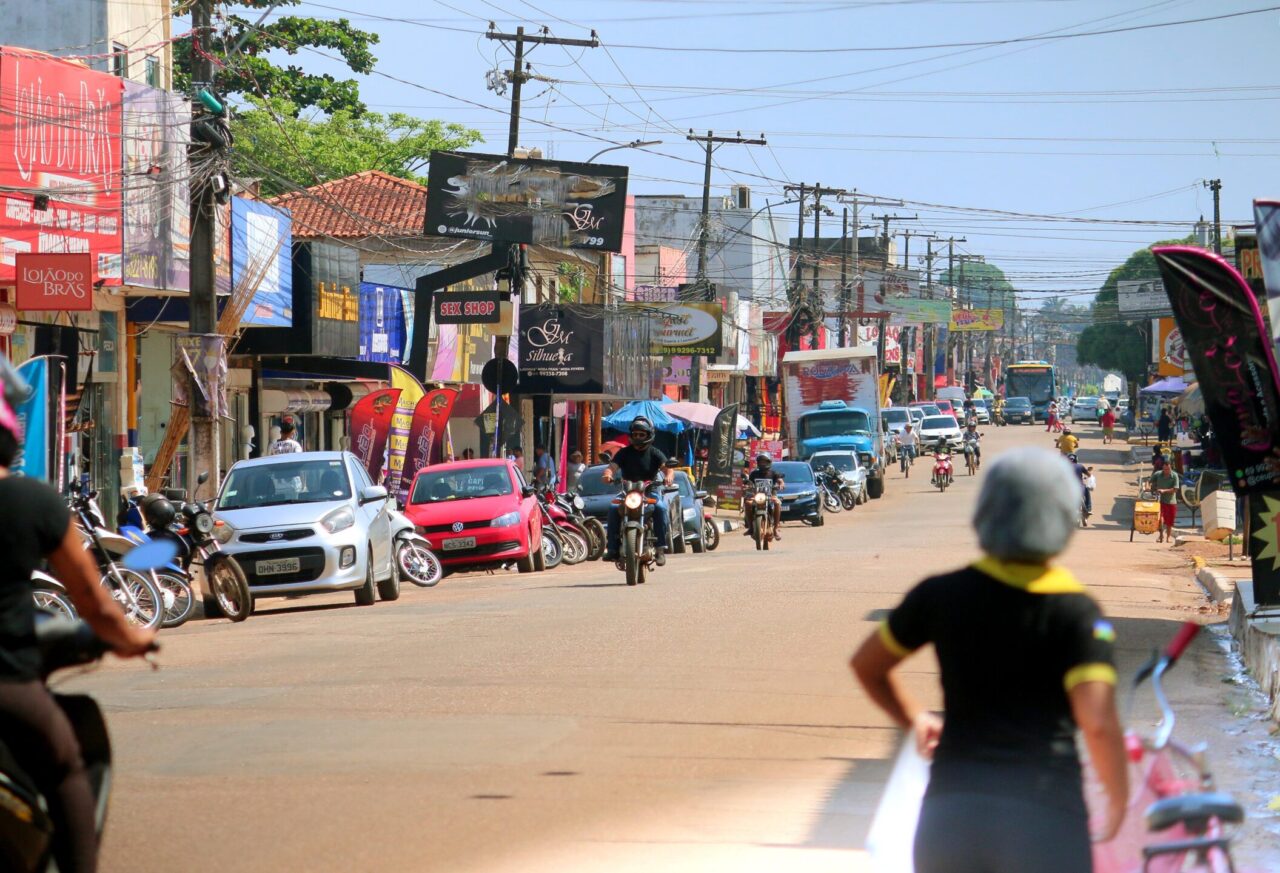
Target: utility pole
(930,329)
(854,199)
(968,304)
(518,255)
(844,277)
(709,143)
(1215,185)
(886,219)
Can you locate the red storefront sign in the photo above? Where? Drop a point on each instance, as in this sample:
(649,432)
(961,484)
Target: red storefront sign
(54,282)
(60,140)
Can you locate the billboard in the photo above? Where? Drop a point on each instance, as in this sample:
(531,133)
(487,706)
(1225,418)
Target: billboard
(493,198)
(977,319)
(333,274)
(561,349)
(1168,350)
(382,328)
(261,240)
(59,135)
(686,328)
(1143,297)
(157,218)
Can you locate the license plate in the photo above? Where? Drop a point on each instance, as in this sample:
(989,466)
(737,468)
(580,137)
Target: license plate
(278,566)
(452,545)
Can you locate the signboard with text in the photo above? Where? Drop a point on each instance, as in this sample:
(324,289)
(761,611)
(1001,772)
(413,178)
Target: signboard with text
(335,299)
(261,243)
(977,319)
(62,283)
(157,218)
(467,307)
(561,349)
(686,328)
(1142,297)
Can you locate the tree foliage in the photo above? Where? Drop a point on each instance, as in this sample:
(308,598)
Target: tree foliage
(287,150)
(982,284)
(1113,344)
(248,71)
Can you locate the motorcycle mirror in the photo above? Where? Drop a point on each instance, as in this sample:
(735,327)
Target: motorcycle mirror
(202,478)
(150,555)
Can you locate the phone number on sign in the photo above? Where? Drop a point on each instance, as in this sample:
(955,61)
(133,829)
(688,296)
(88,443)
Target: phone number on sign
(687,350)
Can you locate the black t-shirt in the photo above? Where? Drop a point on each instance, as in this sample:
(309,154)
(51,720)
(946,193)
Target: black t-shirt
(1011,641)
(33,521)
(772,475)
(639,465)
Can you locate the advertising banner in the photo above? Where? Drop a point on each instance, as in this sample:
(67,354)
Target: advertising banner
(1169,352)
(262,245)
(62,283)
(382,328)
(724,433)
(654,294)
(677,370)
(910,310)
(1142,297)
(561,349)
(1267,220)
(33,421)
(60,132)
(425,443)
(685,328)
(335,299)
(1223,332)
(467,307)
(157,202)
(977,319)
(493,198)
(411,391)
(370,427)
(1249,264)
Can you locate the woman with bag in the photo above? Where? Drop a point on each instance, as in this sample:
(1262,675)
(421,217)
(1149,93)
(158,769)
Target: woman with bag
(1026,660)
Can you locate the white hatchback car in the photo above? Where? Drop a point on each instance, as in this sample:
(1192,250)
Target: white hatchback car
(936,427)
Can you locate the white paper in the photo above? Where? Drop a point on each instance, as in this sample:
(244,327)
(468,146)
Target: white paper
(893,830)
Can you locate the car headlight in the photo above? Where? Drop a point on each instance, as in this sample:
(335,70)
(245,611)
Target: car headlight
(507,519)
(338,520)
(804,494)
(633,500)
(223,532)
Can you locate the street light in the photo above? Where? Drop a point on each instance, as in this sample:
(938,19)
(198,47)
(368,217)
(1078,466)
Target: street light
(634,144)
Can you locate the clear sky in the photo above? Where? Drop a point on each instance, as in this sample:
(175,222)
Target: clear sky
(1115,127)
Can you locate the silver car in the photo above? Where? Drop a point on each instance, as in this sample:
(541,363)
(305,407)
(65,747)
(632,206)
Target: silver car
(308,523)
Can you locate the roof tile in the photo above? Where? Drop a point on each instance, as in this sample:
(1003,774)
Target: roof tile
(371,203)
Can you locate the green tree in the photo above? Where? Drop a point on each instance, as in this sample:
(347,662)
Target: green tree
(981,284)
(1113,344)
(287,150)
(248,71)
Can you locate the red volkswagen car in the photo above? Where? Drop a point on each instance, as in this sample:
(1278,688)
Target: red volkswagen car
(478,514)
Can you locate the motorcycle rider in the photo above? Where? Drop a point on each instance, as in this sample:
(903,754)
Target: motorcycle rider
(640,461)
(764,471)
(971,437)
(34,525)
(1083,473)
(1068,442)
(970,414)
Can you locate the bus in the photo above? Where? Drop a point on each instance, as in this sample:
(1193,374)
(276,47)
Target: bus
(1033,380)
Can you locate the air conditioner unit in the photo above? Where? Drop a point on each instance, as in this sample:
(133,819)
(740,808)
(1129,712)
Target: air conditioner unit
(741,195)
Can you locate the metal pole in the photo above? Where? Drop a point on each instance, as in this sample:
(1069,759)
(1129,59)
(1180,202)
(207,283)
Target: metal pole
(517,79)
(844,278)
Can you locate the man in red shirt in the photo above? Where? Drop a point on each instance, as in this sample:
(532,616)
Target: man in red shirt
(1109,425)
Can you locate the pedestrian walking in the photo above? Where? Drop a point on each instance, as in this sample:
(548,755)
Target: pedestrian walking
(1005,789)
(286,445)
(1108,425)
(1164,426)
(1165,484)
(1051,417)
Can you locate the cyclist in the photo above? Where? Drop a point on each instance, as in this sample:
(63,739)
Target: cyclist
(908,445)
(1005,791)
(1083,473)
(1068,442)
(971,437)
(640,462)
(764,470)
(34,526)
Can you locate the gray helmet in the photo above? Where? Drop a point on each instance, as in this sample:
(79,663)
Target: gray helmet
(641,432)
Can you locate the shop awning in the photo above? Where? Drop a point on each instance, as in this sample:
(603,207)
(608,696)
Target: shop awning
(1171,386)
(650,409)
(703,415)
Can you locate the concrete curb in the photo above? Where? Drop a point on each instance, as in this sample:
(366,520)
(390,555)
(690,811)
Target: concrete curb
(1259,641)
(1219,587)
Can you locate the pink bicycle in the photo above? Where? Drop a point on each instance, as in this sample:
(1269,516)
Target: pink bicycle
(1176,822)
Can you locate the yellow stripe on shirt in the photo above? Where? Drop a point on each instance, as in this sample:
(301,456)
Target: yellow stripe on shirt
(1089,673)
(891,642)
(1033,578)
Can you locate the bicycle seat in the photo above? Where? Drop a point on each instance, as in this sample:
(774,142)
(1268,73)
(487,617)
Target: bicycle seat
(1193,811)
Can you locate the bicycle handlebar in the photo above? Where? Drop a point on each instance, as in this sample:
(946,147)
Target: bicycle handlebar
(1180,642)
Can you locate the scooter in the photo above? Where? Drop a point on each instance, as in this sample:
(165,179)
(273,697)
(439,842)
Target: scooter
(51,595)
(942,472)
(414,558)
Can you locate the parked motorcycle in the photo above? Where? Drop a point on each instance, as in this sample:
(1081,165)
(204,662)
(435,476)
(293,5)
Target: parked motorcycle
(414,559)
(574,541)
(26,829)
(829,482)
(760,514)
(942,471)
(639,549)
(192,527)
(173,582)
(51,596)
(137,593)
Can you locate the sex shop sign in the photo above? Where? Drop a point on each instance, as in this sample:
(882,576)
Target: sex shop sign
(561,349)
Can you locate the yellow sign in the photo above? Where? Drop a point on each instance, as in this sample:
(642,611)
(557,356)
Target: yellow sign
(1170,353)
(337,304)
(977,319)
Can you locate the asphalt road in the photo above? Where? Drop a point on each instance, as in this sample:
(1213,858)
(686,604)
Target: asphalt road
(563,721)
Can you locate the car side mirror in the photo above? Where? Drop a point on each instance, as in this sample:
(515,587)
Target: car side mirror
(528,491)
(701,495)
(372,493)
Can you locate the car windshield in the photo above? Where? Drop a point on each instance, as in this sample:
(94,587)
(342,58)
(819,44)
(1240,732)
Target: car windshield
(929,409)
(309,481)
(592,484)
(939,422)
(794,472)
(1018,403)
(843,462)
(895,416)
(825,424)
(461,484)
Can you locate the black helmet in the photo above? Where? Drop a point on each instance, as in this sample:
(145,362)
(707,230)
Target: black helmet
(641,432)
(1072,457)
(764,461)
(158,511)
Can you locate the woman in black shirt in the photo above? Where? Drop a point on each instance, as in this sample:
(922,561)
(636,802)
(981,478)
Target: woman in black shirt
(35,525)
(1026,659)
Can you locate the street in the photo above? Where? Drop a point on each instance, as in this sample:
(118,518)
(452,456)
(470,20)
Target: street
(704,721)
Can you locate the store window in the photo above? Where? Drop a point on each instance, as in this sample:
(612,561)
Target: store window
(120,60)
(153,71)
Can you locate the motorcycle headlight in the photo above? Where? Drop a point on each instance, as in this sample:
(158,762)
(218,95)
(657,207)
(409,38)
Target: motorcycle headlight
(223,532)
(507,519)
(759,498)
(338,520)
(203,523)
(578,502)
(633,500)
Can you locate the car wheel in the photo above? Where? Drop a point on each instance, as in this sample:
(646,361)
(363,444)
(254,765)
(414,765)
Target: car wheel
(366,593)
(678,545)
(389,588)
